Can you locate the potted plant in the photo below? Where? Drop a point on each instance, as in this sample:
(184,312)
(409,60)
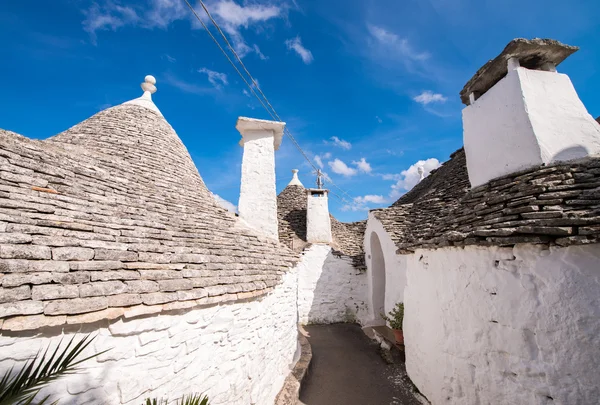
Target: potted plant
(395,318)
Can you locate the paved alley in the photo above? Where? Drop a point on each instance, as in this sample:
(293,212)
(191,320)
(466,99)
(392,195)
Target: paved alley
(347,369)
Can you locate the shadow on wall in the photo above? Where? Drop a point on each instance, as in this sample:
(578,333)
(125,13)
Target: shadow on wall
(574,152)
(338,291)
(297,222)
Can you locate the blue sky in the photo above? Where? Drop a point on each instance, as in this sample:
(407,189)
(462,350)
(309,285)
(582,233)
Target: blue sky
(368,88)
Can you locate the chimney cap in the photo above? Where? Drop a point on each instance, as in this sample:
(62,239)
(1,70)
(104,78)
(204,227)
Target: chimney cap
(531,54)
(245,124)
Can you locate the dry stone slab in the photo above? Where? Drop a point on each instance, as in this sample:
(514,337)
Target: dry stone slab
(158,298)
(15,294)
(33,322)
(102,288)
(124,300)
(21,308)
(72,253)
(175,285)
(142,286)
(52,292)
(29,252)
(78,277)
(17,279)
(75,306)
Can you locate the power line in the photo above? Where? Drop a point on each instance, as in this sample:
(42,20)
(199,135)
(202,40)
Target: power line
(271,110)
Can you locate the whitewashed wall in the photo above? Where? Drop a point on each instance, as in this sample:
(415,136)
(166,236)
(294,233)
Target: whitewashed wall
(395,272)
(503,325)
(330,289)
(236,353)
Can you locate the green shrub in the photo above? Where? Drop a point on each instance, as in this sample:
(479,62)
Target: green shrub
(396,316)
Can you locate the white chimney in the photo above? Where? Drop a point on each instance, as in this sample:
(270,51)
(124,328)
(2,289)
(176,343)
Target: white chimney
(258,196)
(521,113)
(318,223)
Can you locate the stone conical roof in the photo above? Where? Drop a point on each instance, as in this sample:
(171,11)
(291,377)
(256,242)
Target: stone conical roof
(113,213)
(291,213)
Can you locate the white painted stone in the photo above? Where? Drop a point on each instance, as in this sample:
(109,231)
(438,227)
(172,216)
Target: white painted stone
(146,99)
(258,197)
(330,289)
(318,222)
(488,325)
(528,118)
(295,180)
(386,272)
(242,360)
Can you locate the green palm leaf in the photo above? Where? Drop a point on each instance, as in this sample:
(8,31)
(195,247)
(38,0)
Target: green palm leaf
(190,399)
(23,387)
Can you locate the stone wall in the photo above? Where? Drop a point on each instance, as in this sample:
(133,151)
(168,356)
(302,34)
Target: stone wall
(492,325)
(237,353)
(330,288)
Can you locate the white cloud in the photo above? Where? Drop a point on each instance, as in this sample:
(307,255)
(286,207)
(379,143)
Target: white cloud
(340,143)
(363,203)
(363,166)
(169,58)
(427,97)
(231,16)
(390,176)
(161,13)
(378,119)
(108,17)
(224,203)
(339,167)
(319,159)
(215,78)
(396,46)
(186,87)
(410,177)
(296,45)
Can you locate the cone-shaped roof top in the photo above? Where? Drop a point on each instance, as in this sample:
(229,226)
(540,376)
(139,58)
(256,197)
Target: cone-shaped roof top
(120,195)
(291,213)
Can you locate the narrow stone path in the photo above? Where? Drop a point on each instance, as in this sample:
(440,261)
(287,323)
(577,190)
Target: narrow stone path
(346,369)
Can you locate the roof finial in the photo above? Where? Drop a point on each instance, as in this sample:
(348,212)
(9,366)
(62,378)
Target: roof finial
(295,180)
(421,172)
(149,85)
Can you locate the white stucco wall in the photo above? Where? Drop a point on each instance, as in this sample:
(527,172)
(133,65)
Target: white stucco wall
(318,223)
(395,272)
(503,325)
(330,288)
(235,353)
(258,197)
(529,117)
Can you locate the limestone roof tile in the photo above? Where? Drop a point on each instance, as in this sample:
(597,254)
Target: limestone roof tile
(557,204)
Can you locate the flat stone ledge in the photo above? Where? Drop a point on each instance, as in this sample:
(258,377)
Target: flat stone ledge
(531,53)
(36,322)
(290,392)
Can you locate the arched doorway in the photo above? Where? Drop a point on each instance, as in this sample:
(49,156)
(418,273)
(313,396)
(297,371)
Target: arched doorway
(377,281)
